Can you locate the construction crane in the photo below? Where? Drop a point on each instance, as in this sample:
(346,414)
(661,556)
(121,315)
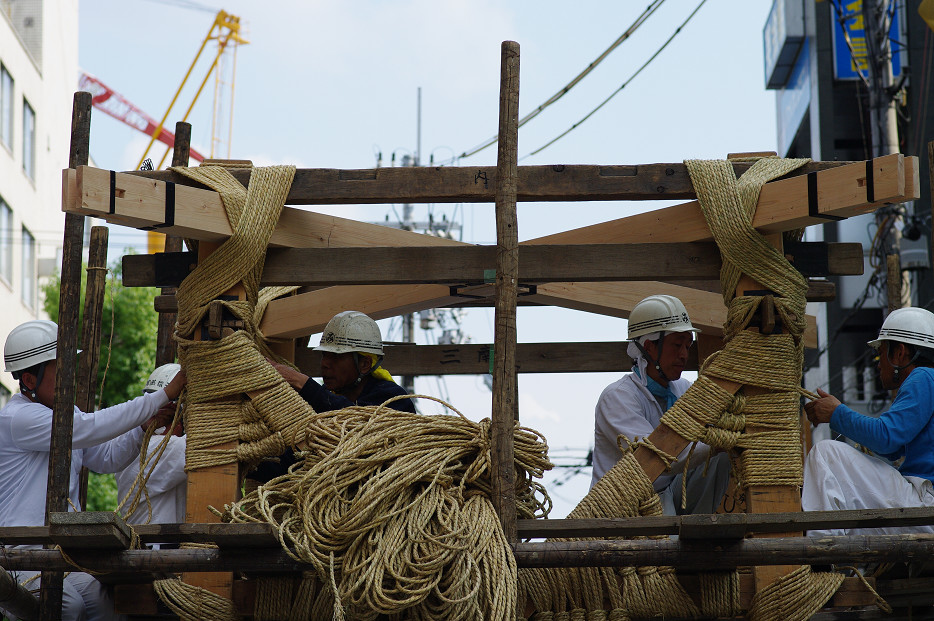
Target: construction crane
(112,103)
(226,32)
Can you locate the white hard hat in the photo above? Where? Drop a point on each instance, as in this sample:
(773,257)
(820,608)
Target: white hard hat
(29,344)
(914,326)
(351,331)
(161,377)
(659,313)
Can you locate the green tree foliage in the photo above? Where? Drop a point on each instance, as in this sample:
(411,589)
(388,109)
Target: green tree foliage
(128,315)
(102,492)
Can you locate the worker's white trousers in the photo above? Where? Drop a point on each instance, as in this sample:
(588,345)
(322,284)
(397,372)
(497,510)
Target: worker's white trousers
(83,597)
(838,476)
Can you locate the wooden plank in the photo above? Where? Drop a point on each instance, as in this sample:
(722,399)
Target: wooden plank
(199,214)
(16,599)
(505,385)
(94,530)
(726,525)
(783,205)
(475,264)
(474,358)
(308,313)
(475,184)
(694,555)
(818,291)
(708,555)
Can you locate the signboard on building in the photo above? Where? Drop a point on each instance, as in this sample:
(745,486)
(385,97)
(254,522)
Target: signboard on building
(849,65)
(781,41)
(792,102)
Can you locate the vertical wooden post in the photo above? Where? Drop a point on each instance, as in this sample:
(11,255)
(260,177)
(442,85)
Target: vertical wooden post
(769,498)
(507,270)
(50,598)
(893,281)
(165,341)
(94,292)
(214,485)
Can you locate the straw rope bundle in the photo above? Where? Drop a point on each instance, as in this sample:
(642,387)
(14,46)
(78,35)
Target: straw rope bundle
(392,510)
(710,414)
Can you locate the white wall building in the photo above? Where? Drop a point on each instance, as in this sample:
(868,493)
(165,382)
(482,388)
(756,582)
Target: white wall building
(38,73)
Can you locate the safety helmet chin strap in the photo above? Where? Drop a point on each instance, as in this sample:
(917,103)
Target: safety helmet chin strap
(652,362)
(898,369)
(360,376)
(31,393)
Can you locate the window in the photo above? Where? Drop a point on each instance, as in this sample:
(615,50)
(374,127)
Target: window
(6,107)
(6,242)
(29,269)
(29,140)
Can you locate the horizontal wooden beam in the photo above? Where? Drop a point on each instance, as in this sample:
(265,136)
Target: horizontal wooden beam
(707,555)
(474,358)
(308,313)
(784,205)
(725,525)
(475,184)
(196,213)
(687,555)
(477,264)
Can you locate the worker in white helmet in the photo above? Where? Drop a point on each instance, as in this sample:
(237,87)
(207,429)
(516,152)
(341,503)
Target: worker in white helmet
(351,374)
(660,337)
(105,441)
(838,476)
(166,482)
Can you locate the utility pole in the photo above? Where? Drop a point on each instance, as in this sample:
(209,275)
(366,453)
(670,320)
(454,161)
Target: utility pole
(877,23)
(408,320)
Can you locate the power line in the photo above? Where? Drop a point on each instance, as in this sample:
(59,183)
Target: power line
(561,93)
(613,94)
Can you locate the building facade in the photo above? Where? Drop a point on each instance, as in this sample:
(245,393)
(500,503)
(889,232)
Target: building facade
(816,55)
(38,73)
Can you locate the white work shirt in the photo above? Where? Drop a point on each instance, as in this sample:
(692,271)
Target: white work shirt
(167,484)
(627,408)
(104,441)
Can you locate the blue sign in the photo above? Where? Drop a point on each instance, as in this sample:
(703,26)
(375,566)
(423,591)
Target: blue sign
(846,64)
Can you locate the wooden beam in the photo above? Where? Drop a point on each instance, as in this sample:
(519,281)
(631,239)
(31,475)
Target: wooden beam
(783,205)
(476,264)
(726,525)
(694,555)
(212,486)
(475,184)
(199,214)
(50,599)
(91,336)
(474,358)
(505,386)
(308,313)
(166,350)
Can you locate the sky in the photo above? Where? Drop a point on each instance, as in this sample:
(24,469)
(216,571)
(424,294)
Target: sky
(333,84)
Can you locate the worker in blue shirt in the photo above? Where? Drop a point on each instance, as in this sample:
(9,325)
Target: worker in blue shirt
(838,476)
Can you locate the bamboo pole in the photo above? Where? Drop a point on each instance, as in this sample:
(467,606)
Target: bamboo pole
(50,599)
(505,412)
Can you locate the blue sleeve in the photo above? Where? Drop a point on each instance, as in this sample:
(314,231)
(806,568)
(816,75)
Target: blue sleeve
(322,399)
(887,435)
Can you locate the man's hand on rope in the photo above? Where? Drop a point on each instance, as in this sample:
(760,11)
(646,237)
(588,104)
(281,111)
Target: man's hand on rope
(296,379)
(174,388)
(820,410)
